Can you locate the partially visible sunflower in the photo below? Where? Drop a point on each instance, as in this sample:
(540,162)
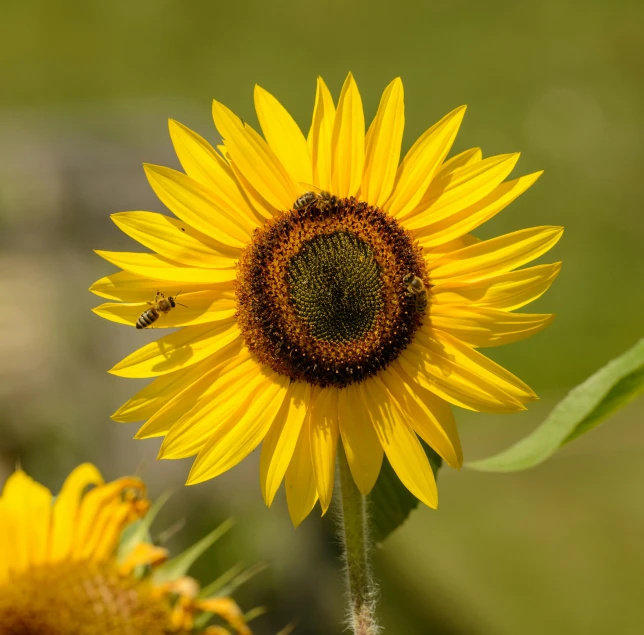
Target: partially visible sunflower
(330,292)
(69,566)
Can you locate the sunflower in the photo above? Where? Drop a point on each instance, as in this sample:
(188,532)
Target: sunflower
(80,564)
(331,292)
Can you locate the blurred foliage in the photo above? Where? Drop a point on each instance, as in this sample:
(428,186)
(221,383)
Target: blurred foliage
(86,92)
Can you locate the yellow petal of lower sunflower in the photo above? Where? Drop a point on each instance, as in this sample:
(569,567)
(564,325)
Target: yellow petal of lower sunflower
(324,432)
(359,439)
(507,291)
(421,163)
(383,142)
(283,136)
(467,157)
(400,444)
(178,350)
(200,307)
(160,268)
(320,136)
(279,444)
(176,240)
(483,327)
(347,141)
(301,493)
(494,256)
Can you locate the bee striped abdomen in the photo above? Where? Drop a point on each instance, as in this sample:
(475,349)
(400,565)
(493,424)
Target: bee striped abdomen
(150,316)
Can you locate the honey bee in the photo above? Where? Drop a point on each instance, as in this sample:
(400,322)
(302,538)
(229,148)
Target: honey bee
(416,287)
(159,305)
(323,199)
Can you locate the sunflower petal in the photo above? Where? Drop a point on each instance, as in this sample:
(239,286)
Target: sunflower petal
(279,444)
(193,203)
(320,136)
(383,142)
(255,159)
(461,189)
(430,417)
(482,327)
(160,268)
(324,440)
(361,444)
(301,493)
(237,436)
(421,163)
(347,141)
(202,163)
(507,291)
(465,220)
(400,443)
(473,155)
(175,240)
(283,136)
(200,307)
(178,350)
(494,256)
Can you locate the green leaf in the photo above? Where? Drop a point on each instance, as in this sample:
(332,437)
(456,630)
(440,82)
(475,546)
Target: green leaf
(179,565)
(390,502)
(585,407)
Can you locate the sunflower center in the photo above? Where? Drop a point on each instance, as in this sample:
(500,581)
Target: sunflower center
(334,283)
(323,292)
(80,598)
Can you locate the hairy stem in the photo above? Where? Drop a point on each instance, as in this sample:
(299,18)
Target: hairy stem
(353,529)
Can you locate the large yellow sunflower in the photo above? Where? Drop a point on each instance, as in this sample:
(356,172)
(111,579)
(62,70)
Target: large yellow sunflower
(330,292)
(68,566)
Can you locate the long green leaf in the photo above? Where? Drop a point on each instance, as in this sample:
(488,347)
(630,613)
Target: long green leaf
(390,502)
(584,408)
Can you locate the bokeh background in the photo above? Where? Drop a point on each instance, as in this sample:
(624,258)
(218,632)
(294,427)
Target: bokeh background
(86,91)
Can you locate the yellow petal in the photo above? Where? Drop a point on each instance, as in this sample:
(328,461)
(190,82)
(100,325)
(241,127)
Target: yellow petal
(29,505)
(143,554)
(459,160)
(176,240)
(361,445)
(494,256)
(200,307)
(421,163)
(194,204)
(234,438)
(202,163)
(400,443)
(320,136)
(283,136)
(347,142)
(178,350)
(430,417)
(232,389)
(130,287)
(279,444)
(201,386)
(301,493)
(261,206)
(66,507)
(324,439)
(483,327)
(160,268)
(464,221)
(508,291)
(433,254)
(255,159)
(383,143)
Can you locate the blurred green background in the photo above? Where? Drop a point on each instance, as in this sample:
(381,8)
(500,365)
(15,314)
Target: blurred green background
(86,91)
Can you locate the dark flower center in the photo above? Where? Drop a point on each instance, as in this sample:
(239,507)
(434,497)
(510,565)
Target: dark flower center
(323,292)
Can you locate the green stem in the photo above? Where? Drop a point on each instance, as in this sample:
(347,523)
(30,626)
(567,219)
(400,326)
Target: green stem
(353,529)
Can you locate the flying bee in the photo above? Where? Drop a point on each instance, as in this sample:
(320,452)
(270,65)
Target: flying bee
(323,199)
(159,305)
(416,287)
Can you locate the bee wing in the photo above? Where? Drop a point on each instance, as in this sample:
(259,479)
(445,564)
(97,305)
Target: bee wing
(308,187)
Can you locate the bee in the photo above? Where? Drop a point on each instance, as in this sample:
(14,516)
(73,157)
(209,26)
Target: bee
(416,287)
(159,305)
(323,199)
